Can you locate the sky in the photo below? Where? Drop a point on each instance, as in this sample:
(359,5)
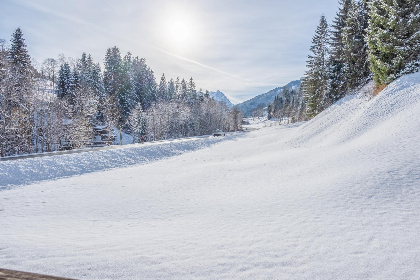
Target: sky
(240,47)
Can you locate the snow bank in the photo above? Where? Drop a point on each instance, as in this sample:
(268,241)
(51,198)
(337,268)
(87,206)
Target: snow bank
(358,116)
(26,171)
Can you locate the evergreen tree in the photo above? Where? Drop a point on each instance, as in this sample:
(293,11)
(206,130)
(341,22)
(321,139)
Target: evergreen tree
(171,89)
(126,93)
(315,82)
(137,123)
(178,87)
(163,89)
(64,80)
(183,91)
(337,75)
(117,81)
(355,47)
(144,83)
(4,110)
(393,38)
(112,72)
(192,92)
(20,94)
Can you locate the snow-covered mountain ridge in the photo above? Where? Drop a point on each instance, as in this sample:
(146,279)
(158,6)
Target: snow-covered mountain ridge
(337,197)
(221,97)
(264,99)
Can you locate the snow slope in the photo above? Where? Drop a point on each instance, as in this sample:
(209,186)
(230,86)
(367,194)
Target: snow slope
(334,198)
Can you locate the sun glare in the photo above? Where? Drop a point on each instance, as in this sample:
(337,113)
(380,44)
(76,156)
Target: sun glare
(178,29)
(179,34)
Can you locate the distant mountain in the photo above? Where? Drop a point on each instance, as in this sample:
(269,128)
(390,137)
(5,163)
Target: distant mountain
(263,100)
(221,97)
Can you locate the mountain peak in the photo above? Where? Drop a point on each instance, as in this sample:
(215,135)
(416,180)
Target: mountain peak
(221,97)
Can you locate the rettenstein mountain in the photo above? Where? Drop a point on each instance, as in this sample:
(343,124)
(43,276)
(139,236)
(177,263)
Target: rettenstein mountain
(263,100)
(221,97)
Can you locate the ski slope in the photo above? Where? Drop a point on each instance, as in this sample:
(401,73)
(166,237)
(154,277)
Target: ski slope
(334,198)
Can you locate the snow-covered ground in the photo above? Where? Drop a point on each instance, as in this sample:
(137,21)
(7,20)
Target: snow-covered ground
(334,198)
(50,166)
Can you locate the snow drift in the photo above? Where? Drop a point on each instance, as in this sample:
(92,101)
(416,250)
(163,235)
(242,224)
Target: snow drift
(26,171)
(335,198)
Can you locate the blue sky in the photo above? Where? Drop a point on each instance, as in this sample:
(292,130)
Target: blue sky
(243,48)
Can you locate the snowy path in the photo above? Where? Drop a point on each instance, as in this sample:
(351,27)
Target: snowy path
(335,198)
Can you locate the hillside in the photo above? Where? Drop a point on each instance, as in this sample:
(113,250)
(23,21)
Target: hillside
(264,99)
(337,197)
(221,97)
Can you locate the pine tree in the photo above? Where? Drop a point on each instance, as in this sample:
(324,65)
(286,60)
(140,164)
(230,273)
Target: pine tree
(126,93)
(64,80)
(393,38)
(355,55)
(171,89)
(137,123)
(163,89)
(192,92)
(315,82)
(144,83)
(337,75)
(183,90)
(19,95)
(112,72)
(4,106)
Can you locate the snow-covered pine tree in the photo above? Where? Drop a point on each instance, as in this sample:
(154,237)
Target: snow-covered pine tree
(192,92)
(409,27)
(393,38)
(355,55)
(162,90)
(112,71)
(97,84)
(183,91)
(64,80)
(178,87)
(337,75)
(112,115)
(144,83)
(315,82)
(193,102)
(137,123)
(151,86)
(126,93)
(4,107)
(20,93)
(171,89)
(75,84)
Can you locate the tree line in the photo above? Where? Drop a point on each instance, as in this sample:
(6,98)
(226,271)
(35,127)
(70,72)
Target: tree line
(368,39)
(289,106)
(64,100)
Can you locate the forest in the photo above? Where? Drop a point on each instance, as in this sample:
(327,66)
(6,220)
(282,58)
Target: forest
(68,103)
(368,40)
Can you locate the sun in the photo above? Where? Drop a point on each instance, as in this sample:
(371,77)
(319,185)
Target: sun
(179,33)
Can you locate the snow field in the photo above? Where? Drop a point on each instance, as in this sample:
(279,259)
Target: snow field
(335,198)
